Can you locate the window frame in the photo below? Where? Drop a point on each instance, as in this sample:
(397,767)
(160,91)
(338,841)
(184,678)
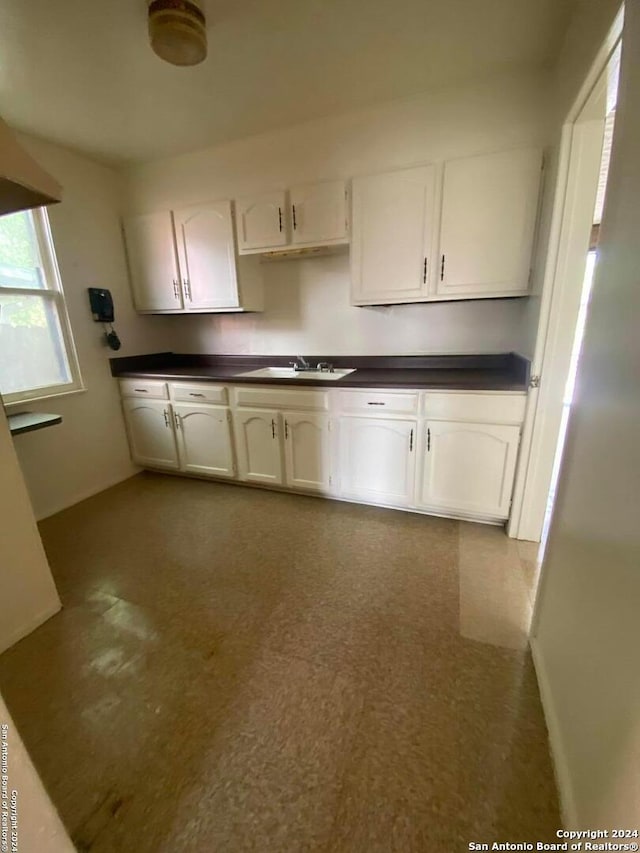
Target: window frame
(54,293)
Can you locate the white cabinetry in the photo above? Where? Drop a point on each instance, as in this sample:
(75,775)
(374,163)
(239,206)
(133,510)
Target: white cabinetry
(185,261)
(258,445)
(392,243)
(489,210)
(151,434)
(304,216)
(205,443)
(262,221)
(468,467)
(153,262)
(306,449)
(319,213)
(377,459)
(486,225)
(445,452)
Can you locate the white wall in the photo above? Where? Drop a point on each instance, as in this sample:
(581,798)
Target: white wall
(307,302)
(88,451)
(28,593)
(588,631)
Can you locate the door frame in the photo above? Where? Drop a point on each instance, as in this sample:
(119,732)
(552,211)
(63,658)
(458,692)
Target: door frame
(551,359)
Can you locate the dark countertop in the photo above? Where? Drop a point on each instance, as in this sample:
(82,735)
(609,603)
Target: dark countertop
(29,421)
(496,372)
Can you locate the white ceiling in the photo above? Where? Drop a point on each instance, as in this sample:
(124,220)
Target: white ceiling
(81,72)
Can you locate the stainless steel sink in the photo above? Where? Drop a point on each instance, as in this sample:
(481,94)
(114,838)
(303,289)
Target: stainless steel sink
(290,373)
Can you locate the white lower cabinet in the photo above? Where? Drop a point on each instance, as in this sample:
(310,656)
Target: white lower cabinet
(205,444)
(151,434)
(257,434)
(306,451)
(449,453)
(377,459)
(468,468)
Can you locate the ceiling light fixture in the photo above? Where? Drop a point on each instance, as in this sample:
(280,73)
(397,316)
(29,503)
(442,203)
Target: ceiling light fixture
(177,31)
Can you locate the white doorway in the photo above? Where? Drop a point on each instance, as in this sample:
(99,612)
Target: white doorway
(571,257)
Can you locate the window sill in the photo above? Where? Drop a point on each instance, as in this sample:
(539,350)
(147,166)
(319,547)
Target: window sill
(32,401)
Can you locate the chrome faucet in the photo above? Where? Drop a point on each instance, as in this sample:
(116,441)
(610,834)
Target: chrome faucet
(304,364)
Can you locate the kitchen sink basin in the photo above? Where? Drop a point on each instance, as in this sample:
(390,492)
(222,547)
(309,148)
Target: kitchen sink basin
(290,373)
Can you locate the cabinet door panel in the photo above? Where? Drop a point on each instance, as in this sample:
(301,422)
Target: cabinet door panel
(306,445)
(392,235)
(489,208)
(204,440)
(319,213)
(151,434)
(206,249)
(377,459)
(257,435)
(469,468)
(261,221)
(153,263)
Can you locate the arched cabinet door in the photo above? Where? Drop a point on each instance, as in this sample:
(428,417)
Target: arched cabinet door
(262,221)
(468,467)
(206,249)
(151,434)
(153,262)
(204,439)
(257,433)
(377,459)
(306,449)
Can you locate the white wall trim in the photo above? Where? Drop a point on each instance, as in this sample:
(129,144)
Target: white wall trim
(526,518)
(89,493)
(31,625)
(558,754)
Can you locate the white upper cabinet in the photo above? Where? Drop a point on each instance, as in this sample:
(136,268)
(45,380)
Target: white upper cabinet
(489,211)
(185,260)
(392,240)
(261,221)
(153,262)
(319,213)
(468,468)
(207,257)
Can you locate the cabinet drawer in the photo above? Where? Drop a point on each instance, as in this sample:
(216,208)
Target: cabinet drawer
(478,408)
(144,388)
(281,398)
(379,402)
(216,394)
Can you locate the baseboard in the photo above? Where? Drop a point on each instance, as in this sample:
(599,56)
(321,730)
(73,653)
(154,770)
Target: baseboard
(31,625)
(558,755)
(82,496)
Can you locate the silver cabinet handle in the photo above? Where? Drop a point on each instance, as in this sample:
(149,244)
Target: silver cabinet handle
(176,288)
(376,404)
(293,211)
(428,439)
(176,418)
(142,390)
(193,394)
(411,441)
(442,269)
(273,428)
(166,417)
(286,428)
(186,285)
(280,218)
(424,272)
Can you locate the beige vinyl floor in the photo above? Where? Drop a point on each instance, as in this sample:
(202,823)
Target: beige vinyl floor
(242,670)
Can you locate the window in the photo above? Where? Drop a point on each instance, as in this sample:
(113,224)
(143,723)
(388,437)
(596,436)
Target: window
(37,356)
